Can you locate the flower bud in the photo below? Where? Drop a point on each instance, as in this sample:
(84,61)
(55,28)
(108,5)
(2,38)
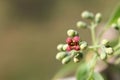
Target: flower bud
(103,56)
(65,47)
(81,24)
(61,55)
(66,60)
(98,17)
(76,60)
(76,39)
(105,42)
(78,57)
(115,26)
(87,15)
(60,47)
(83,45)
(71,32)
(109,50)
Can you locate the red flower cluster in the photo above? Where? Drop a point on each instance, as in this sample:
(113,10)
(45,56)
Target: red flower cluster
(73,43)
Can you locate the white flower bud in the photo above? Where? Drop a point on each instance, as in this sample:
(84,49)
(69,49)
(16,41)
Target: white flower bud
(98,17)
(76,60)
(83,45)
(81,24)
(61,55)
(65,47)
(60,47)
(105,42)
(87,15)
(103,56)
(66,60)
(109,50)
(71,32)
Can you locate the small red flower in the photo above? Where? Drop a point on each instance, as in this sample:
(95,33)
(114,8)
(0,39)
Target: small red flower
(73,43)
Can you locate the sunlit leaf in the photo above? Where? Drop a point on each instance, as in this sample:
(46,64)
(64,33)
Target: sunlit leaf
(115,16)
(66,70)
(114,42)
(82,73)
(97,76)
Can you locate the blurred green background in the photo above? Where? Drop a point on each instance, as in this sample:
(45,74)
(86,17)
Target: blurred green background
(31,29)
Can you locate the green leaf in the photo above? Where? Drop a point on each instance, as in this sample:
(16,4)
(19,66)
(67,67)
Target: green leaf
(115,16)
(66,70)
(114,43)
(82,73)
(97,76)
(85,71)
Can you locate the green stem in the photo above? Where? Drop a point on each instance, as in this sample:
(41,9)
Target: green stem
(93,47)
(93,35)
(94,42)
(93,25)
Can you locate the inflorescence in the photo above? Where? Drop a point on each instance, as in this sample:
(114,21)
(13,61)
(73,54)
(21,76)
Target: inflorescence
(75,47)
(72,49)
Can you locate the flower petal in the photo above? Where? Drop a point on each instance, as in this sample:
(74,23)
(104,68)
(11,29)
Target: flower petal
(76,38)
(68,40)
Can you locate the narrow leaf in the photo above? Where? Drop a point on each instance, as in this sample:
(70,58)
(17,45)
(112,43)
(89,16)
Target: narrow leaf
(65,70)
(115,16)
(97,76)
(82,73)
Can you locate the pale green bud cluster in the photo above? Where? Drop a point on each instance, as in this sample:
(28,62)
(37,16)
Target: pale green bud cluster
(103,55)
(96,19)
(116,25)
(106,49)
(109,50)
(66,57)
(72,33)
